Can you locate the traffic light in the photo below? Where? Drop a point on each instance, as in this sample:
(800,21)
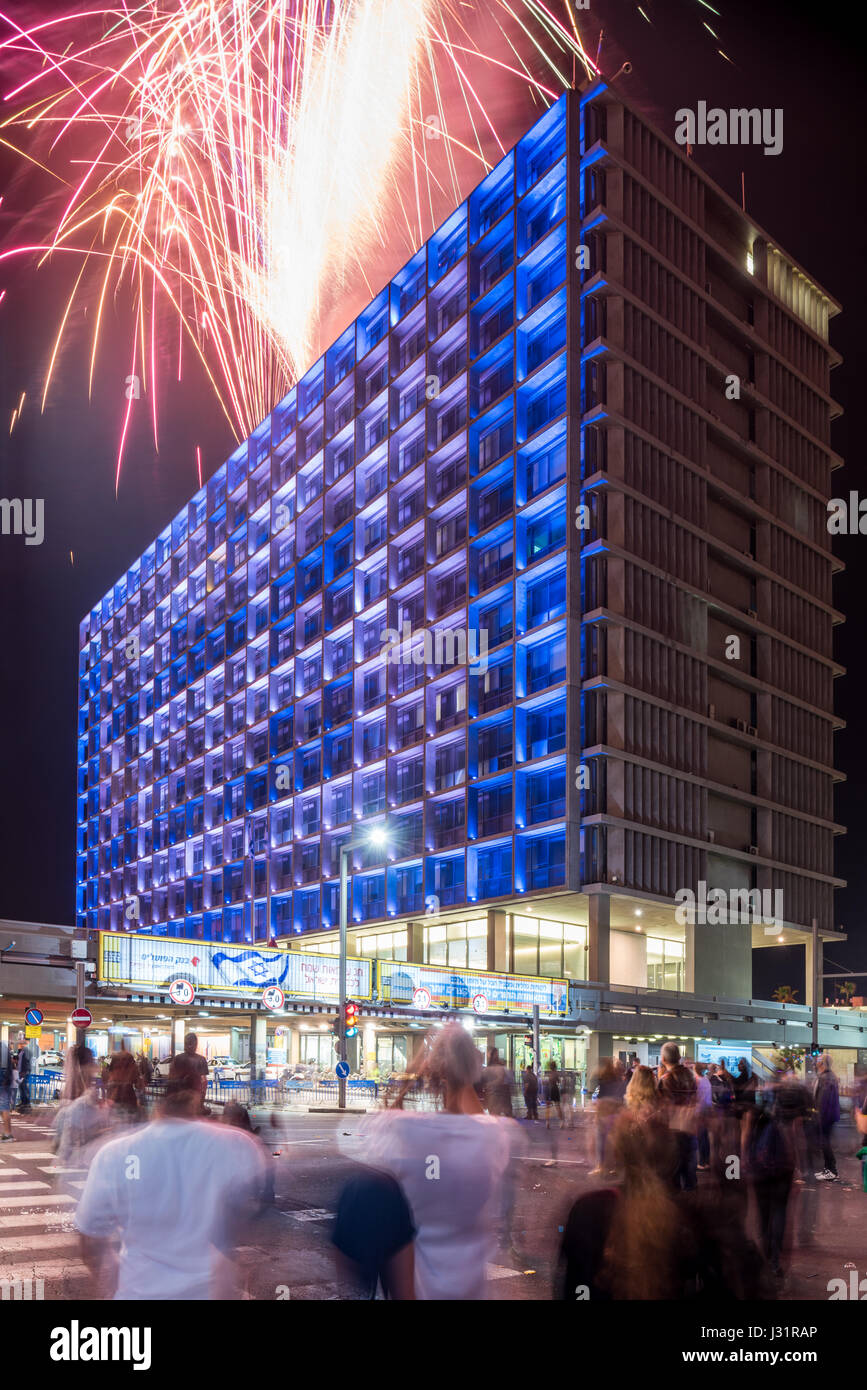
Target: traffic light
(816,1050)
(350,1016)
(335,1026)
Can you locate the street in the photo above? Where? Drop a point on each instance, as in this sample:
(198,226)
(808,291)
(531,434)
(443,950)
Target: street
(287,1252)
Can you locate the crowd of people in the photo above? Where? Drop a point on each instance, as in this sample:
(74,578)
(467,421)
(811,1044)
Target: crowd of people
(433,1192)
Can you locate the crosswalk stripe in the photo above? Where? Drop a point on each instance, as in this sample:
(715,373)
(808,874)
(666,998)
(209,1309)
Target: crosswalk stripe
(58,1270)
(32,1218)
(54,1168)
(13,1153)
(12,1172)
(52,1200)
(15,1244)
(19,1186)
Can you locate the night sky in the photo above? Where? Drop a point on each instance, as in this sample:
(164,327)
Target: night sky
(800,57)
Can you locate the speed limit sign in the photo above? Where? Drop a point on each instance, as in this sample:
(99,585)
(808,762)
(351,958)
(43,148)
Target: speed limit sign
(181,992)
(273,997)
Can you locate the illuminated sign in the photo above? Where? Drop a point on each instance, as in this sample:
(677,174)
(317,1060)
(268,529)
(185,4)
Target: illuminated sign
(158,962)
(400,983)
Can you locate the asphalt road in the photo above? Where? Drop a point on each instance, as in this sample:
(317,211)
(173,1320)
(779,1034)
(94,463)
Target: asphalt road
(286,1251)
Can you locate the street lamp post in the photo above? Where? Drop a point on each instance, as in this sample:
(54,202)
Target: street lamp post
(376,837)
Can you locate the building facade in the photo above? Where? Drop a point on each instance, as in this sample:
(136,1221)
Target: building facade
(531,569)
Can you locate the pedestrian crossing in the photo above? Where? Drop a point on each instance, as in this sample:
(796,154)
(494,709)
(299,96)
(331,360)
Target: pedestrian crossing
(38,1197)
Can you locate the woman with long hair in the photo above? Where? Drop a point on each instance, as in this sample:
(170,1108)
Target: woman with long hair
(452,1165)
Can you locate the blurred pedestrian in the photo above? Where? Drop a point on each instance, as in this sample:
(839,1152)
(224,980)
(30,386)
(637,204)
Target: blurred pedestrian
(553,1096)
(530,1087)
(745,1085)
(7,1092)
(198,1063)
(145,1070)
(495,1086)
(826,1098)
(610,1090)
(452,1164)
(174,1195)
(677,1087)
(80,1122)
(704,1106)
(121,1087)
(20,1075)
(373,1234)
(771,1168)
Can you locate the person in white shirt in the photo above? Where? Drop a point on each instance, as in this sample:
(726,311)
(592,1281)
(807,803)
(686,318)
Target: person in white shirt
(174,1191)
(704,1106)
(452,1165)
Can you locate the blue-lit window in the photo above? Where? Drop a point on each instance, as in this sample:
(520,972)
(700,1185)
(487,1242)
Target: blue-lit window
(494,871)
(546,795)
(496,562)
(546,861)
(497,622)
(496,686)
(409,779)
(495,748)
(546,599)
(372,793)
(546,730)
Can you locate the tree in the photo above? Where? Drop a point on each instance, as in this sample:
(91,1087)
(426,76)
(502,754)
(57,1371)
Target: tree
(784,994)
(847,989)
(789,1058)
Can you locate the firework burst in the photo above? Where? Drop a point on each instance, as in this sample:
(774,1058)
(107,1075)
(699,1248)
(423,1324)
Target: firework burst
(229,164)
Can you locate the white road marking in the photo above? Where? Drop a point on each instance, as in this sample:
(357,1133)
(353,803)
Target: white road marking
(15,1244)
(19,1186)
(73,1270)
(55,1200)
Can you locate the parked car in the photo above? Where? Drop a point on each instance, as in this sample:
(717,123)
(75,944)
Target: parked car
(227,1069)
(49,1060)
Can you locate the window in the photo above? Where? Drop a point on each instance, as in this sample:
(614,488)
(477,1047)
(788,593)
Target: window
(546,731)
(494,809)
(546,795)
(372,793)
(495,748)
(495,687)
(546,663)
(546,468)
(410,779)
(665,963)
(462,945)
(546,599)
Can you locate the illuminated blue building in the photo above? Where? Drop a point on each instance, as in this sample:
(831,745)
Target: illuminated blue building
(526,449)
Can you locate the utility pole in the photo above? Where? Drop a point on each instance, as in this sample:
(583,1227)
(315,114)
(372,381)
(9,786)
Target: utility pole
(80,1033)
(817,983)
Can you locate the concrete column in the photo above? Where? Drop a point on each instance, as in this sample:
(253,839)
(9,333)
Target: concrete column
(4,1034)
(178,1029)
(598,1045)
(294,1050)
(689,957)
(497,941)
(415,943)
(258,1046)
(599,938)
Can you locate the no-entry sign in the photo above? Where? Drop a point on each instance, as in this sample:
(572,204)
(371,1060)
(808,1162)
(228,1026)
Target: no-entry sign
(81,1018)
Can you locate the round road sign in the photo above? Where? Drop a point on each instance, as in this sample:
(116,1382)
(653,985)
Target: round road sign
(181,992)
(480,1003)
(33,1016)
(81,1018)
(273,997)
(421,997)
(342,1070)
